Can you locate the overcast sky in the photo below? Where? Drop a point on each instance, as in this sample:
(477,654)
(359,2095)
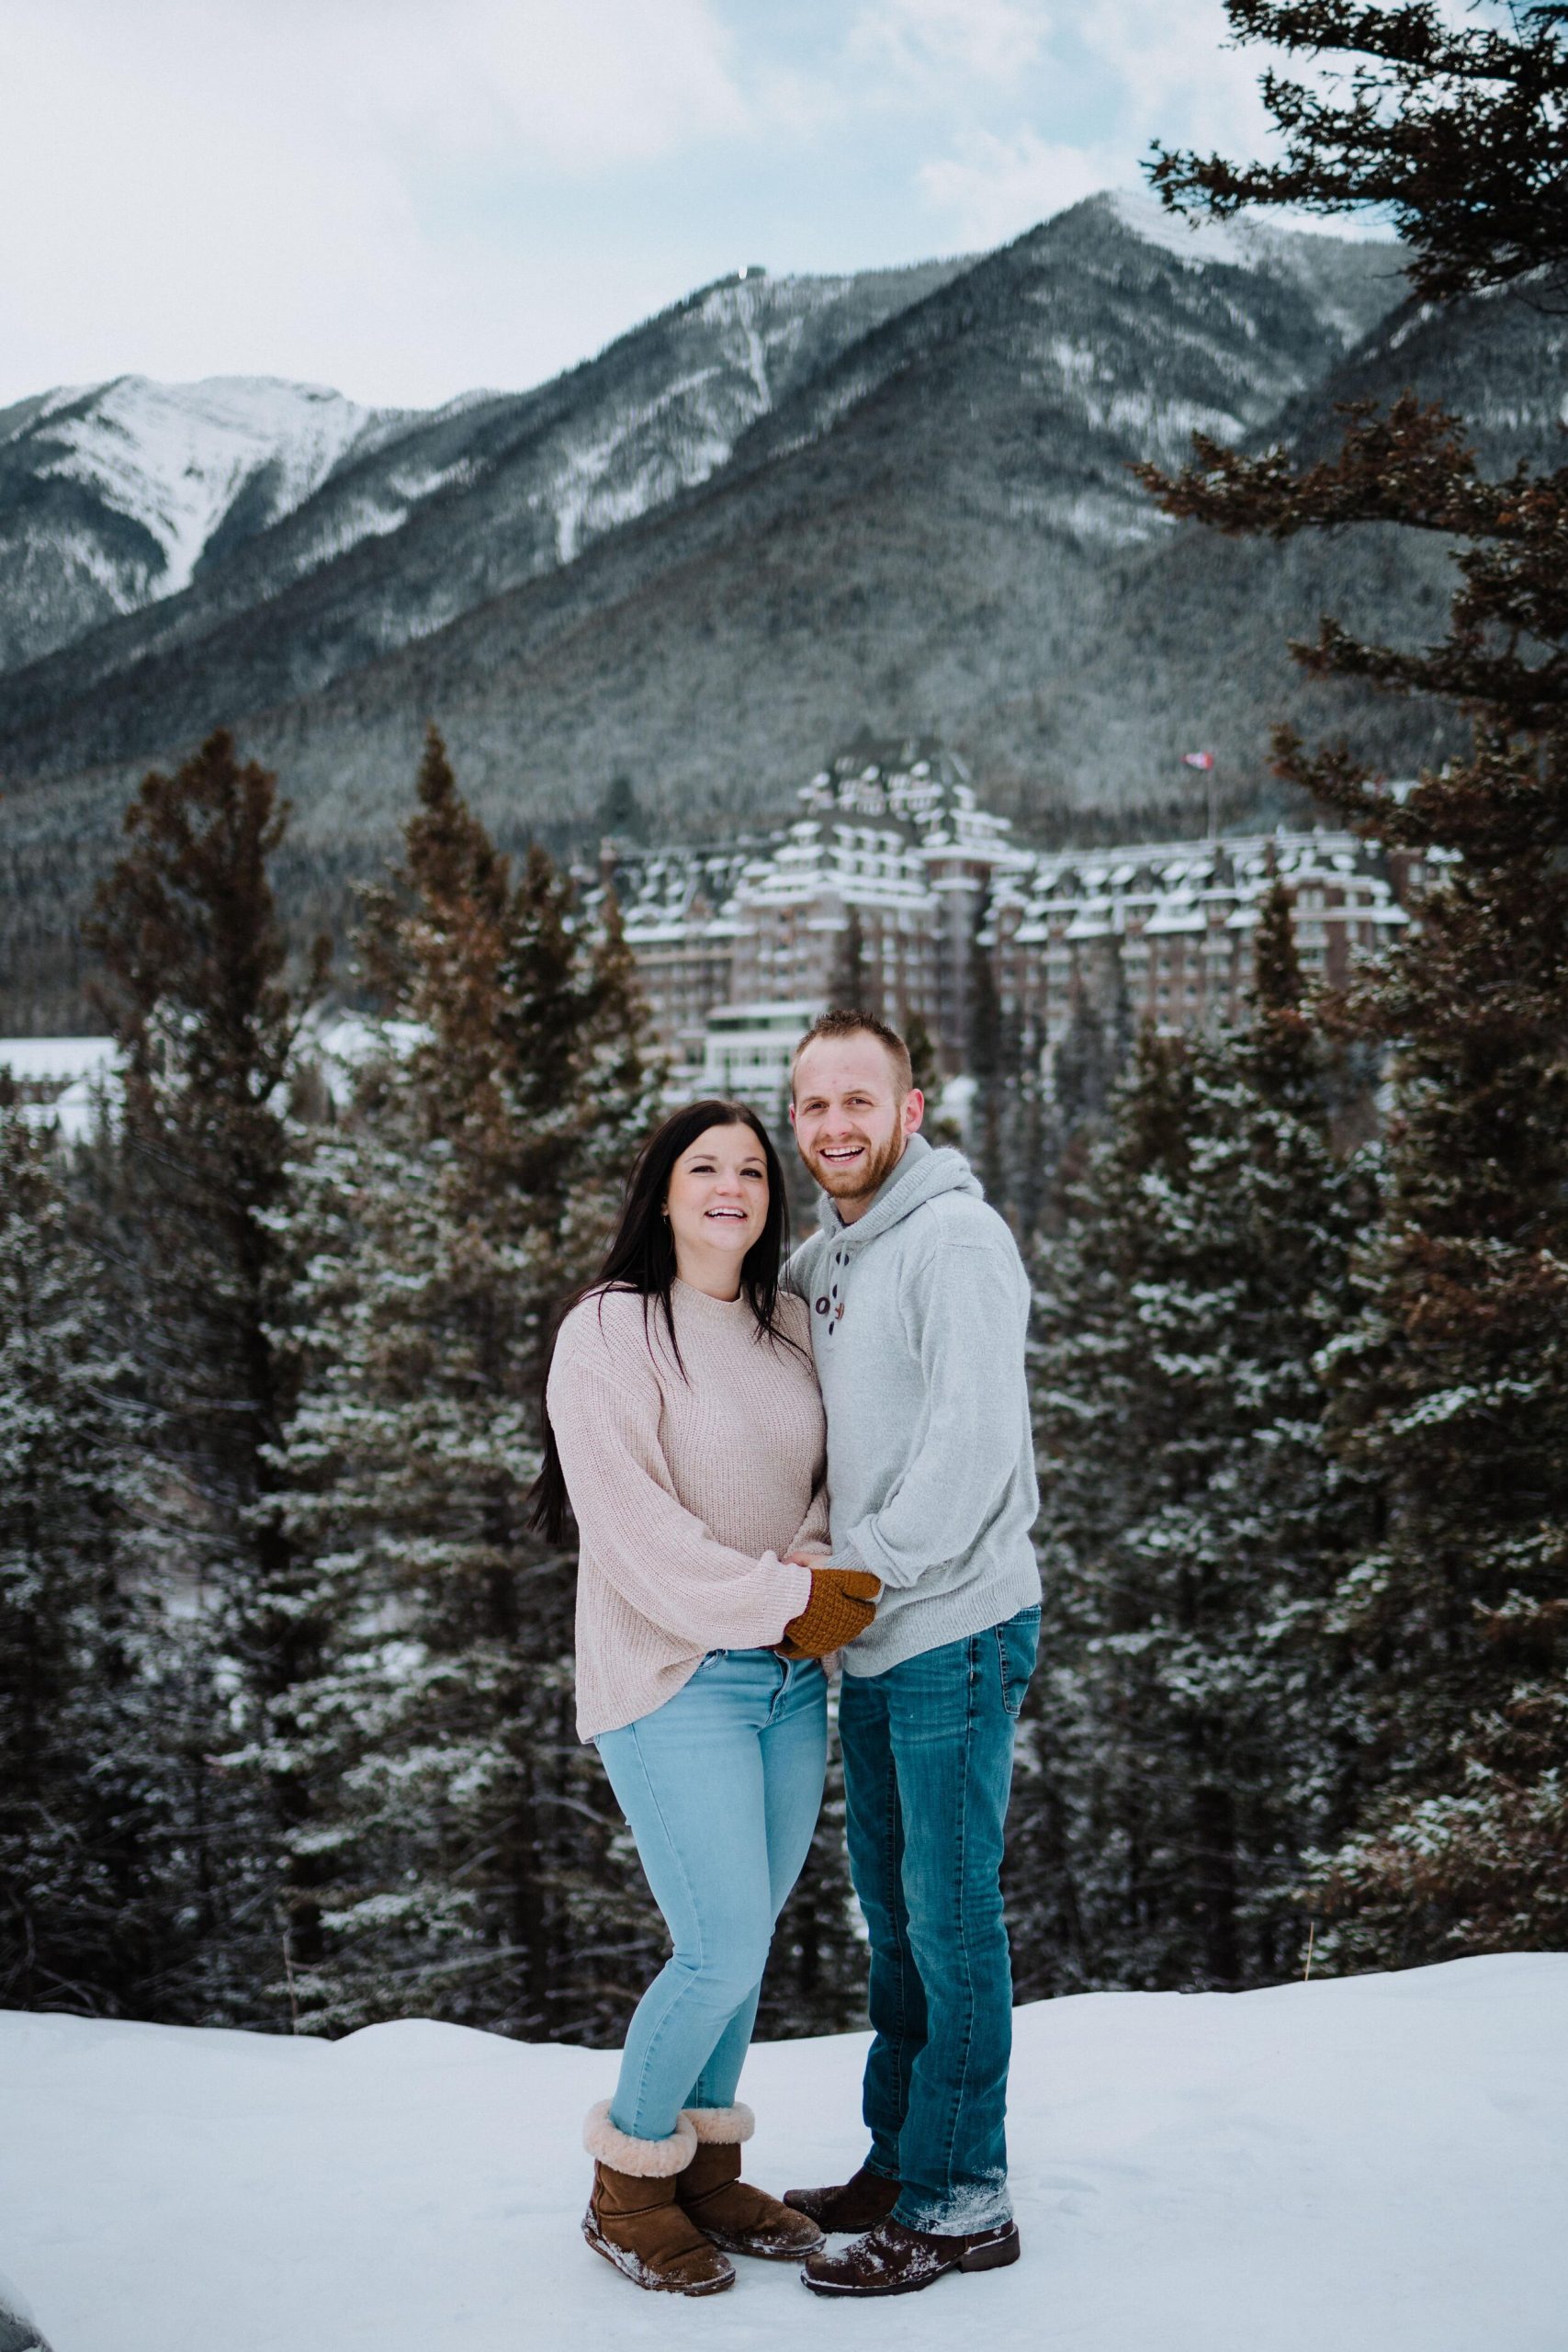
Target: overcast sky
(407,198)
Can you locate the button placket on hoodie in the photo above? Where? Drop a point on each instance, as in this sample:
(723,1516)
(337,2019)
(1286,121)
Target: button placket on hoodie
(830,1304)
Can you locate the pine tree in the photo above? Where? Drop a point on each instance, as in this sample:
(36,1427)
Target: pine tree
(1451,1390)
(1007,1124)
(621,814)
(476,1863)
(853,986)
(923,1066)
(1196,1527)
(1079,1846)
(196,982)
(93,1869)
(1450,1387)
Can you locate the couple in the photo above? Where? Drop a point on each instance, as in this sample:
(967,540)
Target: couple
(767,1467)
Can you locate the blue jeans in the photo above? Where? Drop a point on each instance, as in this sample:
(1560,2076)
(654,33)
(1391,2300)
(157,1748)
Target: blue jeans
(928,1765)
(721,1787)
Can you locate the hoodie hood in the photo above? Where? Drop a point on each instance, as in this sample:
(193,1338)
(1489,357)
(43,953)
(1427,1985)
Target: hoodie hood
(922,1174)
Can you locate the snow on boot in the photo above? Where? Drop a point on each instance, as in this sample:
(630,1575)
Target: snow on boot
(740,2219)
(891,2260)
(634,2218)
(858,2204)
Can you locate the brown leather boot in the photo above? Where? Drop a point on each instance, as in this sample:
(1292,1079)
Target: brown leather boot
(858,2205)
(634,2217)
(891,2260)
(740,2219)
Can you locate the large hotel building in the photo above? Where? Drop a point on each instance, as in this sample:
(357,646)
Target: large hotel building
(892,882)
(894,888)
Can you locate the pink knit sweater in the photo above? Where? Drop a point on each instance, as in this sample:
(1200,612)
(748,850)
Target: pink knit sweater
(686,1491)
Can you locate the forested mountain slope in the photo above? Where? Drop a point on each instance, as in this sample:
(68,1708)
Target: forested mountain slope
(417,520)
(928,443)
(780,511)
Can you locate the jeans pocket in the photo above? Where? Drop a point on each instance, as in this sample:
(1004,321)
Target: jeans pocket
(1017,1642)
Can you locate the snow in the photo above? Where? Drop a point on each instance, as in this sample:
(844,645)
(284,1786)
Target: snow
(38,1060)
(174,458)
(584,501)
(18,2328)
(1373,2164)
(71,1074)
(1239,244)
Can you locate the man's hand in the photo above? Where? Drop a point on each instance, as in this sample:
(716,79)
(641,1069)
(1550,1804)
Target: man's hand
(842,1604)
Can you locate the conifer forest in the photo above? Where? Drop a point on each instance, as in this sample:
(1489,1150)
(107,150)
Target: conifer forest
(285,1682)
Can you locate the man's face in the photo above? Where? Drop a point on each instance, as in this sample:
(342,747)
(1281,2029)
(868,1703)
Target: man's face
(849,1123)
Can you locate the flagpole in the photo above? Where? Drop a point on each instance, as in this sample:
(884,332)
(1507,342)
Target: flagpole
(1207,765)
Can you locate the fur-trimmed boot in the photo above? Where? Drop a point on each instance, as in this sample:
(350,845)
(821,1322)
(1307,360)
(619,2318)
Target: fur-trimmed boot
(740,2219)
(635,2219)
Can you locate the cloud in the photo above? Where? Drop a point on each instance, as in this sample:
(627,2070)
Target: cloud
(993,189)
(922,40)
(407,198)
(576,85)
(1119,74)
(188,188)
(1177,74)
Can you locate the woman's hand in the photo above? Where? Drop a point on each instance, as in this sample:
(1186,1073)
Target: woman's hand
(842,1604)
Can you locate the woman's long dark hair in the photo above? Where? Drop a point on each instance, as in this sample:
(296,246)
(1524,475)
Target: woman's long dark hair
(642,1258)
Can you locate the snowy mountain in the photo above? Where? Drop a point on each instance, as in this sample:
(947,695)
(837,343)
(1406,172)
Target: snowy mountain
(696,514)
(112,496)
(18,2329)
(490,490)
(1373,2164)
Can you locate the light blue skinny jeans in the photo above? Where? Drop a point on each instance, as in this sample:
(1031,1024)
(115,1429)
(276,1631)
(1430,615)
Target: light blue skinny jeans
(721,1787)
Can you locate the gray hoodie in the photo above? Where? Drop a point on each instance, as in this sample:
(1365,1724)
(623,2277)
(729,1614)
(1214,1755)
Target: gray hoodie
(917,1319)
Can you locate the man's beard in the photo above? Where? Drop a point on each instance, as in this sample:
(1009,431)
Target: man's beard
(859,1184)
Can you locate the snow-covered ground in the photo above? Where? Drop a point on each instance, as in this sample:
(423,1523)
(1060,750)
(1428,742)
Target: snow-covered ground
(1374,2165)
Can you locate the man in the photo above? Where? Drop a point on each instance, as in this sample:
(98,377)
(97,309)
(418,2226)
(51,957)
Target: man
(919,1304)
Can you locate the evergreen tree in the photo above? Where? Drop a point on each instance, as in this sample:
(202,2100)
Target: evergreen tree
(1092,1054)
(195,984)
(1006,1120)
(1077,1846)
(476,1861)
(1200,1716)
(992,1064)
(923,1064)
(1450,1387)
(853,986)
(926,1073)
(621,813)
(93,1866)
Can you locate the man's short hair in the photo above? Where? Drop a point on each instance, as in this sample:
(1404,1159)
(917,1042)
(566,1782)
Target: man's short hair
(846,1023)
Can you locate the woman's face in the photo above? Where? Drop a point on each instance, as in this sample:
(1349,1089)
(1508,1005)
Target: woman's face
(717,1201)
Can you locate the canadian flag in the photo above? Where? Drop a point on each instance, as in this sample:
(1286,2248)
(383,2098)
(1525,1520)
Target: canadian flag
(1204,760)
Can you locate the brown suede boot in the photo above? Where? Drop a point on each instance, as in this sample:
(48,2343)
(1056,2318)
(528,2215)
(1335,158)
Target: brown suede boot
(634,2217)
(740,2219)
(858,2205)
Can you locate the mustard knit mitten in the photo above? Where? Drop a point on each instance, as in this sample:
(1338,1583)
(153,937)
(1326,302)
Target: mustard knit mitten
(842,1604)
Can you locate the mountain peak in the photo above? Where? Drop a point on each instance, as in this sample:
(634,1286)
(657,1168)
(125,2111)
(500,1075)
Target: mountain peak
(129,485)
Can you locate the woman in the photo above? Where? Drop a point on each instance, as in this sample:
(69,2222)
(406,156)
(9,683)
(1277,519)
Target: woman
(683,1422)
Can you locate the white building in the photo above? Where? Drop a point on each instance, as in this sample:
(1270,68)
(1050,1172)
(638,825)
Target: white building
(747,1049)
(893,881)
